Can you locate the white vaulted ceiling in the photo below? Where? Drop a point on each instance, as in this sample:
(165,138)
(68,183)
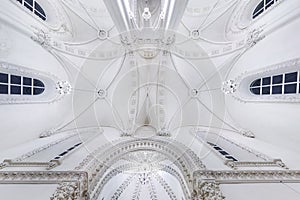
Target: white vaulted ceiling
(179,79)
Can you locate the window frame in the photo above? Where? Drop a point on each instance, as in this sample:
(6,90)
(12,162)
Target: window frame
(272,85)
(32,86)
(266,5)
(32,8)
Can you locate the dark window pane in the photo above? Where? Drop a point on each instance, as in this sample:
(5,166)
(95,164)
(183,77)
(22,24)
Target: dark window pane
(259,7)
(291,77)
(39,15)
(37,91)
(269,3)
(38,83)
(255,90)
(30,2)
(28,6)
(27,90)
(63,153)
(224,153)
(255,83)
(290,89)
(20,1)
(266,90)
(218,148)
(257,14)
(15,79)
(277,79)
(27,81)
(3,78)
(231,158)
(266,81)
(39,9)
(78,144)
(15,89)
(277,89)
(258,10)
(211,144)
(3,89)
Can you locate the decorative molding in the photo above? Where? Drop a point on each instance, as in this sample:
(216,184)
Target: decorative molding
(207,182)
(10,163)
(246,176)
(71,183)
(271,163)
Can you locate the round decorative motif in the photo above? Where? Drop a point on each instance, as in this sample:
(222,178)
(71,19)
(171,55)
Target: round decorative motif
(229,87)
(195,34)
(146,14)
(102,93)
(194,93)
(64,87)
(102,34)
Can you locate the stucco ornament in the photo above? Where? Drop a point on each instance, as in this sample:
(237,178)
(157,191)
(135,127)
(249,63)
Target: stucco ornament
(163,132)
(102,34)
(42,37)
(209,191)
(63,87)
(254,37)
(229,87)
(146,14)
(195,34)
(66,191)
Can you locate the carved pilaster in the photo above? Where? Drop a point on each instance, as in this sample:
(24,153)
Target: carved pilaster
(208,191)
(66,191)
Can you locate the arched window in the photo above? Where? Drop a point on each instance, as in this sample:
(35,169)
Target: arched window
(287,83)
(262,6)
(20,85)
(34,7)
